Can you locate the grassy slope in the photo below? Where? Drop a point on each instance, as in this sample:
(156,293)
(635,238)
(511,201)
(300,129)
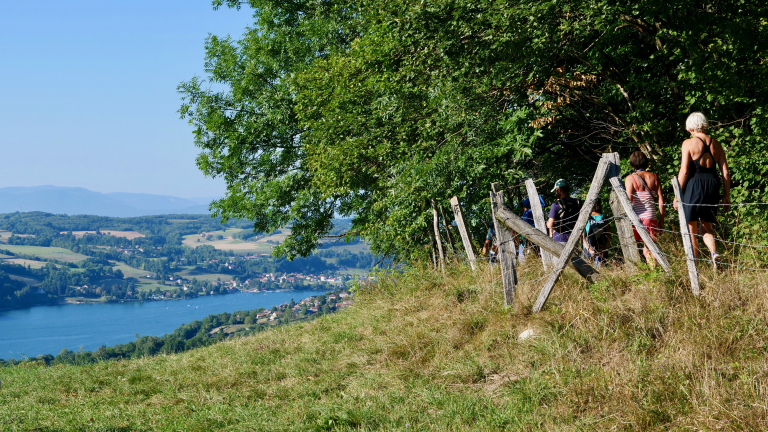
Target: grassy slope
(43,252)
(424,352)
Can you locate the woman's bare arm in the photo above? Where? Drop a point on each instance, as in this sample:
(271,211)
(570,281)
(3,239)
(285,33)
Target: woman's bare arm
(723,162)
(662,211)
(629,186)
(682,176)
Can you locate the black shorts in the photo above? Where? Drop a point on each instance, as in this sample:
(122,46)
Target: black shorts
(701,198)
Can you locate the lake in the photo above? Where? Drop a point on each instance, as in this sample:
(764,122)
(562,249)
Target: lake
(49,329)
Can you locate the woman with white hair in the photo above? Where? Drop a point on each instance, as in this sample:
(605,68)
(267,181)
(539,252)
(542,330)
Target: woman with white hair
(700,183)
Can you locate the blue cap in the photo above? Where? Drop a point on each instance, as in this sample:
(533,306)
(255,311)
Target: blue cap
(527,202)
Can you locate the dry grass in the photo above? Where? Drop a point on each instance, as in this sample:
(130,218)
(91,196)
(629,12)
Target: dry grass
(427,351)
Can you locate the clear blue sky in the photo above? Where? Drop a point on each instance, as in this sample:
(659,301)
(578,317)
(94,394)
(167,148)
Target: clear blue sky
(88,93)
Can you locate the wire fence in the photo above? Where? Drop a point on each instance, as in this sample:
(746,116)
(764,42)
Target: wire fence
(524,250)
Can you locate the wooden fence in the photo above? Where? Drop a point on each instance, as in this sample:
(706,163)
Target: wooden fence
(556,256)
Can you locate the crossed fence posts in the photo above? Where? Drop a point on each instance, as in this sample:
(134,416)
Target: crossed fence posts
(557,256)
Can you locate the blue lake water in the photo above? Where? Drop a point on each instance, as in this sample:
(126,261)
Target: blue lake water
(49,329)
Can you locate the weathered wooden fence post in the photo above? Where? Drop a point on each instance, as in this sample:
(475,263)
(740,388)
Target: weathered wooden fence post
(542,240)
(538,218)
(693,272)
(506,247)
(436,225)
(432,247)
(630,211)
(447,230)
(575,238)
(623,226)
(458,215)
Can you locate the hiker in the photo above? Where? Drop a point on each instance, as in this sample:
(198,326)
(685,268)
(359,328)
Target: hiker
(528,217)
(700,184)
(643,188)
(563,214)
(595,239)
(490,245)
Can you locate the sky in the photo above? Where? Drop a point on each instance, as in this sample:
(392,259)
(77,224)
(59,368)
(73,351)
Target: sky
(88,93)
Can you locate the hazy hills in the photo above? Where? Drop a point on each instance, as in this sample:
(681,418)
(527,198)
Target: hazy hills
(71,201)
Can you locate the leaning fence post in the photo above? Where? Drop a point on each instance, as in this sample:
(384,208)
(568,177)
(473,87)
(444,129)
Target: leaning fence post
(506,247)
(621,194)
(538,218)
(515,222)
(458,214)
(623,226)
(575,238)
(438,237)
(693,272)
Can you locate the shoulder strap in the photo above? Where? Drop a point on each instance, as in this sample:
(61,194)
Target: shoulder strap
(706,147)
(645,184)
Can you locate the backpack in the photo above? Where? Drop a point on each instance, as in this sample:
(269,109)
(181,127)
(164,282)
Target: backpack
(569,212)
(596,232)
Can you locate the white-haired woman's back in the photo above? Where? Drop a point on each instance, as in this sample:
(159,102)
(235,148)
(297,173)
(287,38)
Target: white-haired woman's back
(700,183)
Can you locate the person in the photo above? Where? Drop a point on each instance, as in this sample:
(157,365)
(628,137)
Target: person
(700,184)
(490,242)
(643,188)
(528,217)
(563,213)
(595,239)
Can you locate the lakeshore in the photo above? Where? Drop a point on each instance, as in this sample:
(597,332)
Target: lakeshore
(43,330)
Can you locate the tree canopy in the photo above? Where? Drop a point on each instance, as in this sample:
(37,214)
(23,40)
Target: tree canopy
(371,108)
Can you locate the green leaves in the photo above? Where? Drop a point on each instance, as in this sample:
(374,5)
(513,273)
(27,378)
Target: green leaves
(370,108)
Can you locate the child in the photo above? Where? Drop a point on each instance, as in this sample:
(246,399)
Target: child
(595,238)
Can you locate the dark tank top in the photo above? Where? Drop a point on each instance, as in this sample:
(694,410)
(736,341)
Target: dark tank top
(695,167)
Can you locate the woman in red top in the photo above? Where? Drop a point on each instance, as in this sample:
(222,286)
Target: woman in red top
(643,189)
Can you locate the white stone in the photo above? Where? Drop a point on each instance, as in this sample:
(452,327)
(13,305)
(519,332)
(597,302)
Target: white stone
(527,334)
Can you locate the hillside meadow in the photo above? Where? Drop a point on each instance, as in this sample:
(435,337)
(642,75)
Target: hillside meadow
(229,243)
(427,351)
(56,253)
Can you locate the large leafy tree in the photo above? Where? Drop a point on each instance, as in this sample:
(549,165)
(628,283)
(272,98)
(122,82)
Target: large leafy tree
(371,108)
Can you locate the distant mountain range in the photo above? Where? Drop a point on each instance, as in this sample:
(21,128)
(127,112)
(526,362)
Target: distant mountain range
(72,201)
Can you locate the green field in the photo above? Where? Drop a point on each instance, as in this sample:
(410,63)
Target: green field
(56,253)
(260,246)
(355,248)
(128,271)
(25,262)
(26,280)
(157,284)
(203,275)
(237,246)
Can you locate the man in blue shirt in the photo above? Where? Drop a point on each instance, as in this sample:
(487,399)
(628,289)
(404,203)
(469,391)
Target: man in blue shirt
(563,214)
